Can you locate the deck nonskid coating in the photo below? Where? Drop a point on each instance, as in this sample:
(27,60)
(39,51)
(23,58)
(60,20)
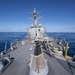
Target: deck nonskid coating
(22,57)
(21,61)
(55,68)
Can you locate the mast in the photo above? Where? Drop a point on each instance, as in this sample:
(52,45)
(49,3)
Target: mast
(35,24)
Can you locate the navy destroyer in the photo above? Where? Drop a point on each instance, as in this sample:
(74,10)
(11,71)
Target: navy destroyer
(37,54)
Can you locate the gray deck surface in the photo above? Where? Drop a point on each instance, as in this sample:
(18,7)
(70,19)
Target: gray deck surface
(22,57)
(20,64)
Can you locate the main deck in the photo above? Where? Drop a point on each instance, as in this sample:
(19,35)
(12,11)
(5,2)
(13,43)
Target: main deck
(57,65)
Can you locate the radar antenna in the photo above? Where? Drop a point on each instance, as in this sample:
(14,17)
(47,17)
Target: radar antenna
(35,18)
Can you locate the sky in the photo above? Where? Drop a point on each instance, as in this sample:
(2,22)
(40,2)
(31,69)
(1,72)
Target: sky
(57,15)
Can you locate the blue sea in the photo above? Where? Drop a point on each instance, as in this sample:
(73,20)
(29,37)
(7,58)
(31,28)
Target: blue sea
(7,37)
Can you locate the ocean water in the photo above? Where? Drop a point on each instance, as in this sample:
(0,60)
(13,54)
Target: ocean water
(7,37)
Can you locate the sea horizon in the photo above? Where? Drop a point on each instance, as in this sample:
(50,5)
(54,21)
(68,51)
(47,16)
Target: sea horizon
(46,32)
(7,37)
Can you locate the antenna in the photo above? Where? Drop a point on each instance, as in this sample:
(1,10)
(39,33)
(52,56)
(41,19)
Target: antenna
(40,17)
(38,12)
(5,47)
(30,13)
(64,39)
(11,44)
(35,17)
